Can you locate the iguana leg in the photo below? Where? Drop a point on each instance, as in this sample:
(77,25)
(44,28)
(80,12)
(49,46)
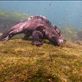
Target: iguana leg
(37,38)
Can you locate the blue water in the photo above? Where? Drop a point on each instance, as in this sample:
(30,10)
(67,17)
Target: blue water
(59,12)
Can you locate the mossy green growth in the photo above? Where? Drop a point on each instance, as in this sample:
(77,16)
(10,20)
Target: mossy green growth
(20,61)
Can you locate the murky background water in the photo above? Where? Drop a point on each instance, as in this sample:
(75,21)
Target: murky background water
(59,12)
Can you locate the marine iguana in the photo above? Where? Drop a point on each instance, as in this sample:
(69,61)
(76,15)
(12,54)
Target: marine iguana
(39,27)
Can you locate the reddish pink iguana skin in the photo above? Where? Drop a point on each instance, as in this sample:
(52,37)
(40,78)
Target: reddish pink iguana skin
(39,27)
